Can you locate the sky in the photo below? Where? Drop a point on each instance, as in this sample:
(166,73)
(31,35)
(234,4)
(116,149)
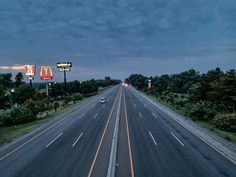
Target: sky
(119,37)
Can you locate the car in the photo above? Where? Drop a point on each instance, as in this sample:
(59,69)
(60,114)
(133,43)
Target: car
(102,100)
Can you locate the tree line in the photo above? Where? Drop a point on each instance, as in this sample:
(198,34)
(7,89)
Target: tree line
(20,103)
(208,96)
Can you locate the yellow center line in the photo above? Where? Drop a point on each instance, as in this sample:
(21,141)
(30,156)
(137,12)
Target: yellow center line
(129,144)
(100,143)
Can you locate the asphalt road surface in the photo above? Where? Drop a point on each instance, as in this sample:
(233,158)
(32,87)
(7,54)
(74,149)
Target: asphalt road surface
(126,136)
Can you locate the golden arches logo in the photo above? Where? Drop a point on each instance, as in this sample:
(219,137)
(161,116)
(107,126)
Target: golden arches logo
(46,73)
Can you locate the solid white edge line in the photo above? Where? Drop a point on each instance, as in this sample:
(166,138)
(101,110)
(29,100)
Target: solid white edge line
(154,115)
(176,138)
(53,140)
(77,139)
(140,115)
(153,138)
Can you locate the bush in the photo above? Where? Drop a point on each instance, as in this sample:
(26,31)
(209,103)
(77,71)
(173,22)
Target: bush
(41,105)
(226,122)
(4,118)
(202,111)
(56,105)
(76,97)
(17,116)
(21,115)
(180,103)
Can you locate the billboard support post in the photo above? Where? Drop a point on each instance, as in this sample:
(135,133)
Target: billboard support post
(46,73)
(65,80)
(31,83)
(47,87)
(30,72)
(64,67)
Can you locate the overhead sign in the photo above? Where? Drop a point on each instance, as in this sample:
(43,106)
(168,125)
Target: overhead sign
(46,73)
(30,70)
(64,65)
(64,69)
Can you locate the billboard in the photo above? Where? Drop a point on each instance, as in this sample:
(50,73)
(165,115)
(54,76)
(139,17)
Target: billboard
(30,70)
(64,65)
(46,73)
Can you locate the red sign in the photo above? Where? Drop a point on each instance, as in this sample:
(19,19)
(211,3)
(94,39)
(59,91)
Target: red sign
(30,70)
(46,73)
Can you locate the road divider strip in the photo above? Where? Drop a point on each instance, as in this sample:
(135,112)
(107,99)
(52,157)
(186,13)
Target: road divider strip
(81,116)
(140,115)
(182,144)
(95,115)
(154,141)
(53,140)
(80,136)
(154,115)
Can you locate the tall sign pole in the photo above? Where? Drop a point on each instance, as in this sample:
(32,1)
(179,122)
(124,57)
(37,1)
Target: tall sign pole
(64,80)
(64,67)
(46,73)
(149,84)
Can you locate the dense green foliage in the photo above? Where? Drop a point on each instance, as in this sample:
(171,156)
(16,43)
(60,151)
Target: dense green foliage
(20,103)
(204,96)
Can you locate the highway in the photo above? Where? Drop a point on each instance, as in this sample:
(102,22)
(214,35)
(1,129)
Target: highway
(126,136)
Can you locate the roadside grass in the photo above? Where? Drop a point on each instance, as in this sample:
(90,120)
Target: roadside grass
(10,133)
(229,136)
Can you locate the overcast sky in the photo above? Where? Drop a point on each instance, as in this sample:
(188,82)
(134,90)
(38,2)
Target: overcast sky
(119,37)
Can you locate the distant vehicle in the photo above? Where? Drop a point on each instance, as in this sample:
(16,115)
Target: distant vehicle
(102,100)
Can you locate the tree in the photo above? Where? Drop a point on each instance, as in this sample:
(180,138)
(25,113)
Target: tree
(226,90)
(18,79)
(23,93)
(4,99)
(56,90)
(5,80)
(137,80)
(74,87)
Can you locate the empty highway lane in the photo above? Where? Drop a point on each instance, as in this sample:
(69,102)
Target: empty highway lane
(125,136)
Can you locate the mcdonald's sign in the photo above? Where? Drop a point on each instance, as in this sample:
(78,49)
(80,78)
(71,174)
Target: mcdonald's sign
(30,70)
(46,73)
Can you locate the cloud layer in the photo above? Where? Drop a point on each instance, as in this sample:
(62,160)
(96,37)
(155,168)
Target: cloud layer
(107,37)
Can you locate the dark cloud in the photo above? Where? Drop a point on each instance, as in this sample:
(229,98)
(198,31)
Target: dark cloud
(116,38)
